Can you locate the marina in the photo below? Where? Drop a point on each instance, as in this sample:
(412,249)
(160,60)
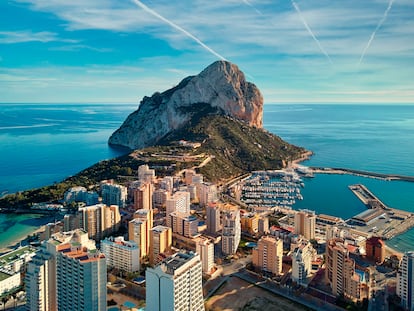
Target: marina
(271,189)
(279,190)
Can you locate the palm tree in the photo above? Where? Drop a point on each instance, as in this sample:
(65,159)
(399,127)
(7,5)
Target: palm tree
(14,295)
(4,300)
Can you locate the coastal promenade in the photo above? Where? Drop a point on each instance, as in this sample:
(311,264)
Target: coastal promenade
(335,170)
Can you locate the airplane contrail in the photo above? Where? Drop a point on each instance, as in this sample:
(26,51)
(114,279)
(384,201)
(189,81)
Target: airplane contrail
(247,2)
(310,31)
(384,17)
(175,26)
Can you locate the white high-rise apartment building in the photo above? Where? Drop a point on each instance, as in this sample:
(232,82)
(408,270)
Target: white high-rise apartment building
(68,273)
(145,174)
(207,192)
(302,258)
(405,281)
(205,248)
(120,254)
(37,278)
(179,202)
(81,278)
(231,234)
(175,284)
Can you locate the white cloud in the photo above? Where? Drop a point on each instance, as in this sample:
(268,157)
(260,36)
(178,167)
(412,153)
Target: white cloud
(10,37)
(78,47)
(265,38)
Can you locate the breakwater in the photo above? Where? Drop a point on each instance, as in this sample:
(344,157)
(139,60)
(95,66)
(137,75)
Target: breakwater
(338,170)
(379,220)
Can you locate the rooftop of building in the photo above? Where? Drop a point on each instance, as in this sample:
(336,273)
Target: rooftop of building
(286,230)
(269,238)
(369,215)
(4,276)
(375,240)
(15,254)
(338,244)
(176,261)
(329,218)
(119,241)
(160,228)
(80,253)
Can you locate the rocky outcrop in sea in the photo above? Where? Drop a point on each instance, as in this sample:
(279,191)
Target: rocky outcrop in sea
(221,86)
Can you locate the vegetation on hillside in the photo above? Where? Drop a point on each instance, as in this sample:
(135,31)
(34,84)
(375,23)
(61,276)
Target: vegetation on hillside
(237,148)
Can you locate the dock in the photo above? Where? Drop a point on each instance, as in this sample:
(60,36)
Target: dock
(379,220)
(338,170)
(367,197)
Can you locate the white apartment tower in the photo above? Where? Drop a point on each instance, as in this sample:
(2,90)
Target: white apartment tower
(179,202)
(145,174)
(205,248)
(68,273)
(81,277)
(302,257)
(39,295)
(405,281)
(175,284)
(120,254)
(231,233)
(207,192)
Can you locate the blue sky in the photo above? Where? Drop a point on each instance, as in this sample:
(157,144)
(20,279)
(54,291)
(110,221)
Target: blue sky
(119,51)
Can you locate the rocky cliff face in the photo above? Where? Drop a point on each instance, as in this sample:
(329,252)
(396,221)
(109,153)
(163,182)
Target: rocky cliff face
(221,86)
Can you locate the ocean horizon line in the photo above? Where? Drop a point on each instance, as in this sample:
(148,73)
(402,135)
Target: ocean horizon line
(343,103)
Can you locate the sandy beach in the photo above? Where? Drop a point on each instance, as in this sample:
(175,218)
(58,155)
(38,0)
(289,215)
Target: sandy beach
(391,251)
(16,242)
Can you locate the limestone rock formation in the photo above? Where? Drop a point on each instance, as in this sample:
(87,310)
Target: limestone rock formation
(221,87)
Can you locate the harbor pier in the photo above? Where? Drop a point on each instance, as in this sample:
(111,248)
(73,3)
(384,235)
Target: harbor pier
(335,170)
(379,219)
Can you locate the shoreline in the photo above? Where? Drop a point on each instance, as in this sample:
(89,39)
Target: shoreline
(19,235)
(304,157)
(17,242)
(392,251)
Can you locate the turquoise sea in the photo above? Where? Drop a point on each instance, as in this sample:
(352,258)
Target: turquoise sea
(42,144)
(378,138)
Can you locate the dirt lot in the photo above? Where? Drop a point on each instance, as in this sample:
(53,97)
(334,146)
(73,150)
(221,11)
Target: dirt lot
(238,295)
